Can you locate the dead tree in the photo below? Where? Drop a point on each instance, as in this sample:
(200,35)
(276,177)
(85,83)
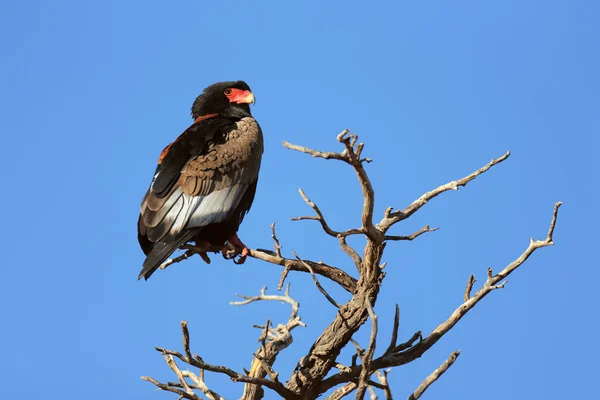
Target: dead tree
(313,375)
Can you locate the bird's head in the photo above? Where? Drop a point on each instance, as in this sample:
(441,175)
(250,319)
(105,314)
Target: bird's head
(225,98)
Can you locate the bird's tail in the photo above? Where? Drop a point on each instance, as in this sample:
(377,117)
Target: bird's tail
(161,252)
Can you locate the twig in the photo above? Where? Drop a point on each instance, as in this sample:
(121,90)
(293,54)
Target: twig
(373,396)
(469,287)
(359,352)
(382,377)
(351,252)
(392,217)
(394,337)
(340,235)
(434,376)
(171,261)
(284,274)
(173,365)
(169,388)
(321,289)
(201,385)
(354,159)
(315,153)
(294,319)
(321,219)
(375,384)
(412,236)
(409,343)
(276,246)
(272,374)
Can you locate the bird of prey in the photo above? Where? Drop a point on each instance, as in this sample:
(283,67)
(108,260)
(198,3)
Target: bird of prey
(205,180)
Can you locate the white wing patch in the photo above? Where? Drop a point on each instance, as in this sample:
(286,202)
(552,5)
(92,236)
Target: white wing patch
(216,207)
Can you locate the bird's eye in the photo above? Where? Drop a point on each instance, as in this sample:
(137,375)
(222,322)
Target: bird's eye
(227,92)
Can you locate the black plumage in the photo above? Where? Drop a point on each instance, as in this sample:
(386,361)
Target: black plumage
(206,179)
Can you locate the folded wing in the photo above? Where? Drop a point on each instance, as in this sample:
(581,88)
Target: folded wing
(207,176)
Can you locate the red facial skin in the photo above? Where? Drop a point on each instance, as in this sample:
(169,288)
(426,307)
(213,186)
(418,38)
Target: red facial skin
(239,96)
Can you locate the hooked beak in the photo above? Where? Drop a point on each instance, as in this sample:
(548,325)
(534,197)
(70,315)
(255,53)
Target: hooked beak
(241,97)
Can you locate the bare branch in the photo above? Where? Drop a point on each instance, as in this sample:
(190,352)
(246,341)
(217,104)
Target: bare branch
(469,287)
(403,355)
(409,343)
(343,391)
(294,319)
(181,375)
(392,217)
(412,236)
(499,286)
(351,155)
(272,340)
(276,246)
(201,385)
(373,396)
(173,365)
(198,362)
(169,388)
(284,274)
(315,153)
(434,376)
(171,261)
(340,235)
(335,274)
(365,183)
(272,374)
(351,252)
(186,339)
(321,289)
(382,377)
(321,219)
(394,337)
(365,372)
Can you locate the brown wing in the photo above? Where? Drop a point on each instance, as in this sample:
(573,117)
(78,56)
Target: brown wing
(208,190)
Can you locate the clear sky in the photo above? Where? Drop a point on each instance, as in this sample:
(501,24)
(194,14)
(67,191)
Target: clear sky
(91,92)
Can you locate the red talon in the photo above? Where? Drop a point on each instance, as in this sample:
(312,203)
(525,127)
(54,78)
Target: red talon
(239,248)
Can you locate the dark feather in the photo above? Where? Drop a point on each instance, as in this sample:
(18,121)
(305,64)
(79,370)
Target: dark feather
(160,252)
(190,143)
(205,181)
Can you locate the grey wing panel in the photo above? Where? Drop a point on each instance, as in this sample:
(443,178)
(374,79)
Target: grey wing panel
(217,206)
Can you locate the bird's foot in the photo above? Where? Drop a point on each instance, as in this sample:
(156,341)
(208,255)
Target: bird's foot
(203,246)
(235,247)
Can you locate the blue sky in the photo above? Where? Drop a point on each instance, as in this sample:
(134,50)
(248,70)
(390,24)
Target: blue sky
(91,92)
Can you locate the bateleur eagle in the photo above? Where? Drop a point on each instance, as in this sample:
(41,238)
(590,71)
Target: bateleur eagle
(205,180)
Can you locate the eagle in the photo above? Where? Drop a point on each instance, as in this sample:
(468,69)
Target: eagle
(205,181)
